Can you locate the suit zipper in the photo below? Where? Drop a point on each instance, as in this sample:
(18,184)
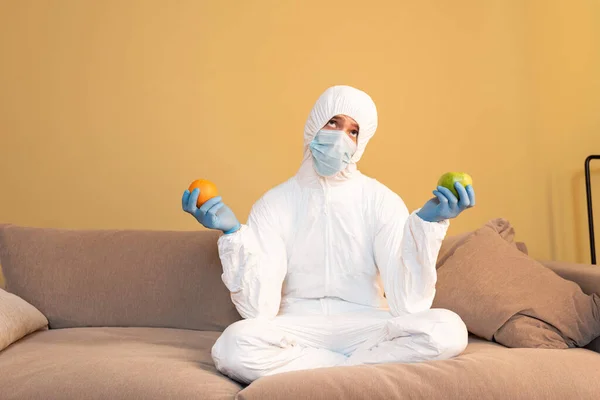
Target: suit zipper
(327,236)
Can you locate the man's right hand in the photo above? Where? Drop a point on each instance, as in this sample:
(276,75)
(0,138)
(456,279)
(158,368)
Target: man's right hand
(213,214)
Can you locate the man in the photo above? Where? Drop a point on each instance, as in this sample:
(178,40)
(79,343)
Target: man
(331,269)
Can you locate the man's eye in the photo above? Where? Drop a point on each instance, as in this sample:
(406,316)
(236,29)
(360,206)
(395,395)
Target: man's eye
(332,123)
(354,133)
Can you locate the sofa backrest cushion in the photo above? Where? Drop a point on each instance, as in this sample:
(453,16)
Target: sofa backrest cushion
(82,278)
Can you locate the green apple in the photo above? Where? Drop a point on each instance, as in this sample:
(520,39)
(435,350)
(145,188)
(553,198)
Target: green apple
(449,179)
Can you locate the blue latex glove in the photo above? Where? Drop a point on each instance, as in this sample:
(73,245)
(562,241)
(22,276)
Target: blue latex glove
(445,205)
(213,214)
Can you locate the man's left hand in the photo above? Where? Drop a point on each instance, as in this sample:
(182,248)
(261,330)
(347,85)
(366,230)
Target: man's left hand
(445,205)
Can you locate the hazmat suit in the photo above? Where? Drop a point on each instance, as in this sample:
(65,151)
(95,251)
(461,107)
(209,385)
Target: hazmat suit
(333,271)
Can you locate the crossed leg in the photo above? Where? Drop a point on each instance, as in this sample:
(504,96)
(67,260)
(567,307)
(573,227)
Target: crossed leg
(252,348)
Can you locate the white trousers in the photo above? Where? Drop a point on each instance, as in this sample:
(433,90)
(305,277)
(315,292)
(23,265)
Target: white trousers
(252,348)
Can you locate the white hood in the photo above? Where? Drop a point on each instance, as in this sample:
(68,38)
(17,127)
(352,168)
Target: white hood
(334,101)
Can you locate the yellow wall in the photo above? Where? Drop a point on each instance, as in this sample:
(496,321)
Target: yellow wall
(108,109)
(564,73)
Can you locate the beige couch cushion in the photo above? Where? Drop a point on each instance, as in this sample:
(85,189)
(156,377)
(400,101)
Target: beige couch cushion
(118,278)
(504,295)
(484,371)
(17,319)
(113,363)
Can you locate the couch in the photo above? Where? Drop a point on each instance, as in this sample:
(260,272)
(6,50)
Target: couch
(133,315)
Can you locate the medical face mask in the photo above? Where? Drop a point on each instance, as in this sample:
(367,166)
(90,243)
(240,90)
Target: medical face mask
(332,151)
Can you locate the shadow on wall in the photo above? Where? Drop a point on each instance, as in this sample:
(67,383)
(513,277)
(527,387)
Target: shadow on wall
(1,278)
(580,216)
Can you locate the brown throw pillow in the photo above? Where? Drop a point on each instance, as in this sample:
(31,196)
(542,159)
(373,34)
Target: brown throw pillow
(18,318)
(500,225)
(504,295)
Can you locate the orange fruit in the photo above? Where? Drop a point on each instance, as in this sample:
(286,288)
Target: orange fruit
(208,190)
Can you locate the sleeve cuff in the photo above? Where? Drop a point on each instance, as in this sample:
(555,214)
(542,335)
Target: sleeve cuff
(437,229)
(227,239)
(237,251)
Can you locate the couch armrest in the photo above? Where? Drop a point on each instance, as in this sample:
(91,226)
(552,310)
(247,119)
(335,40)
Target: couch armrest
(587,276)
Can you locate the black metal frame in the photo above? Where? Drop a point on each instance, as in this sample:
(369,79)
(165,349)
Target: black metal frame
(588,189)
